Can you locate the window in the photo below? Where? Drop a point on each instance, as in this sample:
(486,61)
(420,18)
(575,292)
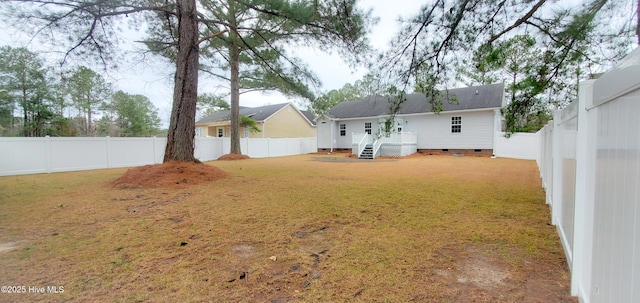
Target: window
(198,132)
(343,130)
(367,127)
(246,132)
(220,132)
(456,124)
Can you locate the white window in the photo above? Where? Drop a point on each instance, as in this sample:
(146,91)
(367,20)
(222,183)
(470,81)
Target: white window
(220,132)
(246,132)
(343,130)
(367,127)
(198,132)
(456,124)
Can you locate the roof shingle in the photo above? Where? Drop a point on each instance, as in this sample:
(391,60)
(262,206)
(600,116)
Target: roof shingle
(256,113)
(474,97)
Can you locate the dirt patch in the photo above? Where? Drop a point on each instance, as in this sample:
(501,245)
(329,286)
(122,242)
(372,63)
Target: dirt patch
(232,157)
(168,175)
(482,274)
(352,159)
(8,246)
(483,271)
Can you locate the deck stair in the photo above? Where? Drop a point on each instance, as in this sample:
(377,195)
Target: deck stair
(367,153)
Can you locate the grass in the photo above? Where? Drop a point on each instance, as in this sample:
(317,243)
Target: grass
(289,229)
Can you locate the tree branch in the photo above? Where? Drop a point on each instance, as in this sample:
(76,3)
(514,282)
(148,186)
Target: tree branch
(518,22)
(213,36)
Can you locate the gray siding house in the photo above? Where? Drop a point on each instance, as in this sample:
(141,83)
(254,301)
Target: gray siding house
(468,123)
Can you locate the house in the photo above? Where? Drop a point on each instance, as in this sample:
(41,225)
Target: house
(274,121)
(469,121)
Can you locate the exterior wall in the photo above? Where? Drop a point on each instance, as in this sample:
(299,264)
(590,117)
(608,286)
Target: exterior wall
(434,130)
(464,152)
(212,131)
(397,150)
(287,123)
(259,134)
(326,129)
(353,126)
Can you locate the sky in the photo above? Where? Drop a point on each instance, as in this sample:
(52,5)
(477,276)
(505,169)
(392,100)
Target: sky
(153,78)
(156,82)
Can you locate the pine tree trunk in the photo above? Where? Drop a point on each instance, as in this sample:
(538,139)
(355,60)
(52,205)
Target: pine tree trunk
(181,133)
(234,62)
(235,100)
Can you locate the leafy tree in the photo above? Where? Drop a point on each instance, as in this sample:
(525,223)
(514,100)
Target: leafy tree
(480,69)
(87,90)
(256,33)
(64,127)
(428,49)
(368,85)
(6,113)
(129,116)
(211,103)
(250,124)
(348,92)
(24,86)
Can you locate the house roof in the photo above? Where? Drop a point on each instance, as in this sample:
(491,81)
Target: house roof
(309,115)
(474,97)
(259,114)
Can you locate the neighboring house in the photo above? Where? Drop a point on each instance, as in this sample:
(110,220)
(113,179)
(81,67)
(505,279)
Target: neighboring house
(468,123)
(275,121)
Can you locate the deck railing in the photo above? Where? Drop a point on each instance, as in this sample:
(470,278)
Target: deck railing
(364,140)
(376,147)
(400,138)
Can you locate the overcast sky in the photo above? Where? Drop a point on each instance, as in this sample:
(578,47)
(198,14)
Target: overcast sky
(152,78)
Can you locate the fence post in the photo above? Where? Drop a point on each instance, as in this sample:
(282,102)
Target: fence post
(556,170)
(108,146)
(584,195)
(48,155)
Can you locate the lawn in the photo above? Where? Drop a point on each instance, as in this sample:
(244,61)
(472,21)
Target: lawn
(312,228)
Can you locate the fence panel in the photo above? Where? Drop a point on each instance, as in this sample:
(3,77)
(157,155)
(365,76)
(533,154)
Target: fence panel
(209,148)
(616,245)
(277,147)
(23,156)
(564,199)
(42,155)
(590,168)
(124,152)
(518,146)
(69,154)
(258,148)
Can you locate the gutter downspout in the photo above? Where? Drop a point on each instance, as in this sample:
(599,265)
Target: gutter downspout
(331,135)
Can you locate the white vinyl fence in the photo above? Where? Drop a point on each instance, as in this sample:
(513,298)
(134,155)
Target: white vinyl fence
(590,168)
(20,156)
(524,146)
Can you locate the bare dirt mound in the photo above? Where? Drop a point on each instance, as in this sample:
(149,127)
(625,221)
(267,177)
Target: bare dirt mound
(229,157)
(170,174)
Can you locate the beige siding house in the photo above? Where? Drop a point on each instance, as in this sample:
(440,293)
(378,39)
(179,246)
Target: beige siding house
(274,121)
